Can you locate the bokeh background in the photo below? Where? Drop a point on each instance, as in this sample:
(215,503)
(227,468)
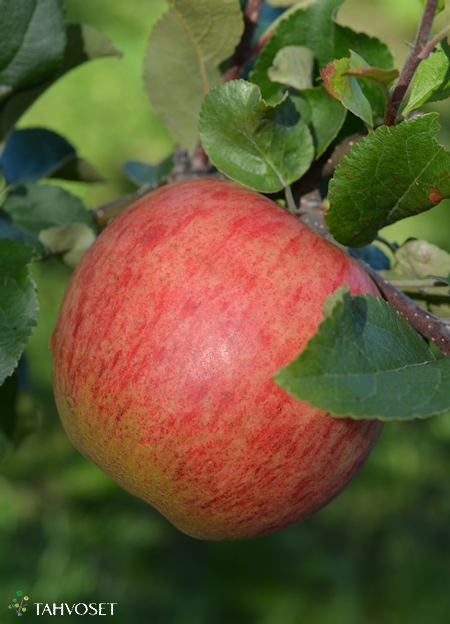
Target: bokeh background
(379,554)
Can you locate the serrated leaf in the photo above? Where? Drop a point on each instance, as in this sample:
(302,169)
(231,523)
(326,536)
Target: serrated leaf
(366,361)
(15,255)
(145,174)
(181,65)
(38,207)
(83,43)
(34,153)
(346,89)
(311,27)
(293,66)
(69,241)
(32,41)
(323,115)
(12,232)
(432,79)
(374,52)
(261,146)
(314,27)
(18,305)
(393,173)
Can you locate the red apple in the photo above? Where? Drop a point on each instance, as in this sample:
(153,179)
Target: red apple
(170,332)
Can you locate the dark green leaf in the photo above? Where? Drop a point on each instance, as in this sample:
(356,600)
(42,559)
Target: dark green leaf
(261,146)
(346,89)
(143,173)
(323,115)
(395,172)
(32,41)
(186,47)
(315,28)
(38,207)
(14,256)
(432,79)
(373,51)
(83,43)
(311,27)
(18,304)
(366,361)
(12,232)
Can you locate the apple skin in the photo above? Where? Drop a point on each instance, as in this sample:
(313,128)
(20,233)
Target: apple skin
(169,334)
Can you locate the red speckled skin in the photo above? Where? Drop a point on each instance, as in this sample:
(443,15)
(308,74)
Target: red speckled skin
(170,331)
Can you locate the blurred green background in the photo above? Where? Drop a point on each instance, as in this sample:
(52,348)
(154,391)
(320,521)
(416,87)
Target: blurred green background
(379,554)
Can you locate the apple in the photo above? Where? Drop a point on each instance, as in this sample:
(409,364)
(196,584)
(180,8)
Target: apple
(169,334)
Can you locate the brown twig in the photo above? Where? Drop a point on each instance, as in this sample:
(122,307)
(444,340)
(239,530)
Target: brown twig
(412,62)
(429,325)
(243,51)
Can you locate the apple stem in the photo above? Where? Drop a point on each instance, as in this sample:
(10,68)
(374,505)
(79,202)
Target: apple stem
(290,201)
(412,62)
(429,325)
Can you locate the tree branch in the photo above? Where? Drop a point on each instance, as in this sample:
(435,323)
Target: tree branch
(412,62)
(243,51)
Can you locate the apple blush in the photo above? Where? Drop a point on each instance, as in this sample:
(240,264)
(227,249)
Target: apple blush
(168,337)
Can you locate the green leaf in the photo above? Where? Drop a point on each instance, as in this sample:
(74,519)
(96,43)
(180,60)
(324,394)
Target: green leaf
(32,41)
(261,146)
(68,241)
(314,27)
(37,207)
(293,66)
(14,256)
(374,52)
(83,43)
(18,304)
(395,172)
(323,115)
(12,232)
(311,27)
(346,89)
(432,79)
(181,65)
(366,361)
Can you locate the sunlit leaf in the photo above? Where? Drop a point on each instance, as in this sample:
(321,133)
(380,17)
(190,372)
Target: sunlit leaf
(395,172)
(432,79)
(261,146)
